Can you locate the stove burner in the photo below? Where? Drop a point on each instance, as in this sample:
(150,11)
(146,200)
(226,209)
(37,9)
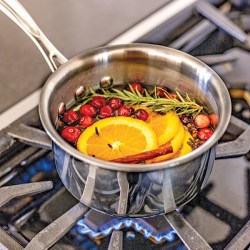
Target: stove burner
(158,236)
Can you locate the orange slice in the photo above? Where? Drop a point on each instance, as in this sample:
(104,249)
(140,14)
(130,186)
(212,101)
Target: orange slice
(176,143)
(164,126)
(185,148)
(115,137)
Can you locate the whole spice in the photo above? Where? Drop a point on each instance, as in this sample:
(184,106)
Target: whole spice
(136,158)
(185,119)
(192,129)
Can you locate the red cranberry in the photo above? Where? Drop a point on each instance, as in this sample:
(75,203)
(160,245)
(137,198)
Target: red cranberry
(70,117)
(71,134)
(125,110)
(105,111)
(214,120)
(205,133)
(115,103)
(98,101)
(141,114)
(161,91)
(185,119)
(136,86)
(86,121)
(172,96)
(201,121)
(87,110)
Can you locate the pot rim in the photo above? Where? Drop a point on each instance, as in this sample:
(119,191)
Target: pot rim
(57,139)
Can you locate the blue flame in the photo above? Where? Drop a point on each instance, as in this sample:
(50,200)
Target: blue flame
(80,222)
(147,234)
(43,165)
(128,223)
(169,235)
(118,226)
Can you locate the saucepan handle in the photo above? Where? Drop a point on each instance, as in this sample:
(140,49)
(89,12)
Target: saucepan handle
(240,146)
(16,12)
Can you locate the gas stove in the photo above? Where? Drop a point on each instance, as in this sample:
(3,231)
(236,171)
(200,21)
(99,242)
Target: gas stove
(37,212)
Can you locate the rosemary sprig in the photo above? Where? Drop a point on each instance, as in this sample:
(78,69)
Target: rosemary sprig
(182,105)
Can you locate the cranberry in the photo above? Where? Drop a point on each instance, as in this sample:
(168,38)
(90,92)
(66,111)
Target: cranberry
(86,121)
(70,117)
(87,110)
(201,121)
(71,134)
(105,111)
(205,133)
(125,110)
(141,114)
(115,103)
(136,86)
(172,96)
(214,120)
(98,101)
(185,119)
(161,91)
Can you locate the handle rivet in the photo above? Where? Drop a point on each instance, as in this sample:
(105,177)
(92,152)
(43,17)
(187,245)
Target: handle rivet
(106,82)
(80,92)
(61,108)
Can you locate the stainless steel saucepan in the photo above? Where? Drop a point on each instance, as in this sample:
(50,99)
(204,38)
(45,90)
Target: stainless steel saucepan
(126,189)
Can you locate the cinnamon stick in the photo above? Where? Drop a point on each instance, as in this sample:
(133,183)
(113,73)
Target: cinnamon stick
(163,150)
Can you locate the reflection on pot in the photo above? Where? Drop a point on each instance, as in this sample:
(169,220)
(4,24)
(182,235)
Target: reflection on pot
(147,194)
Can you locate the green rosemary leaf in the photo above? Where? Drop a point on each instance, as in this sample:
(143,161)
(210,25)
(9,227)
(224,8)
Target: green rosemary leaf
(91,90)
(146,93)
(138,93)
(179,96)
(155,93)
(132,90)
(76,108)
(118,92)
(104,91)
(150,100)
(187,98)
(130,94)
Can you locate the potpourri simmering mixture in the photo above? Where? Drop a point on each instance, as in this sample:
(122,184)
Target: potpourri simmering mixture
(135,125)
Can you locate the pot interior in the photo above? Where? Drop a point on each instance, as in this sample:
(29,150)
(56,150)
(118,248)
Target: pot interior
(149,64)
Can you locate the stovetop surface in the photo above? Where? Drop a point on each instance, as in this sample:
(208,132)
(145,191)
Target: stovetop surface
(217,213)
